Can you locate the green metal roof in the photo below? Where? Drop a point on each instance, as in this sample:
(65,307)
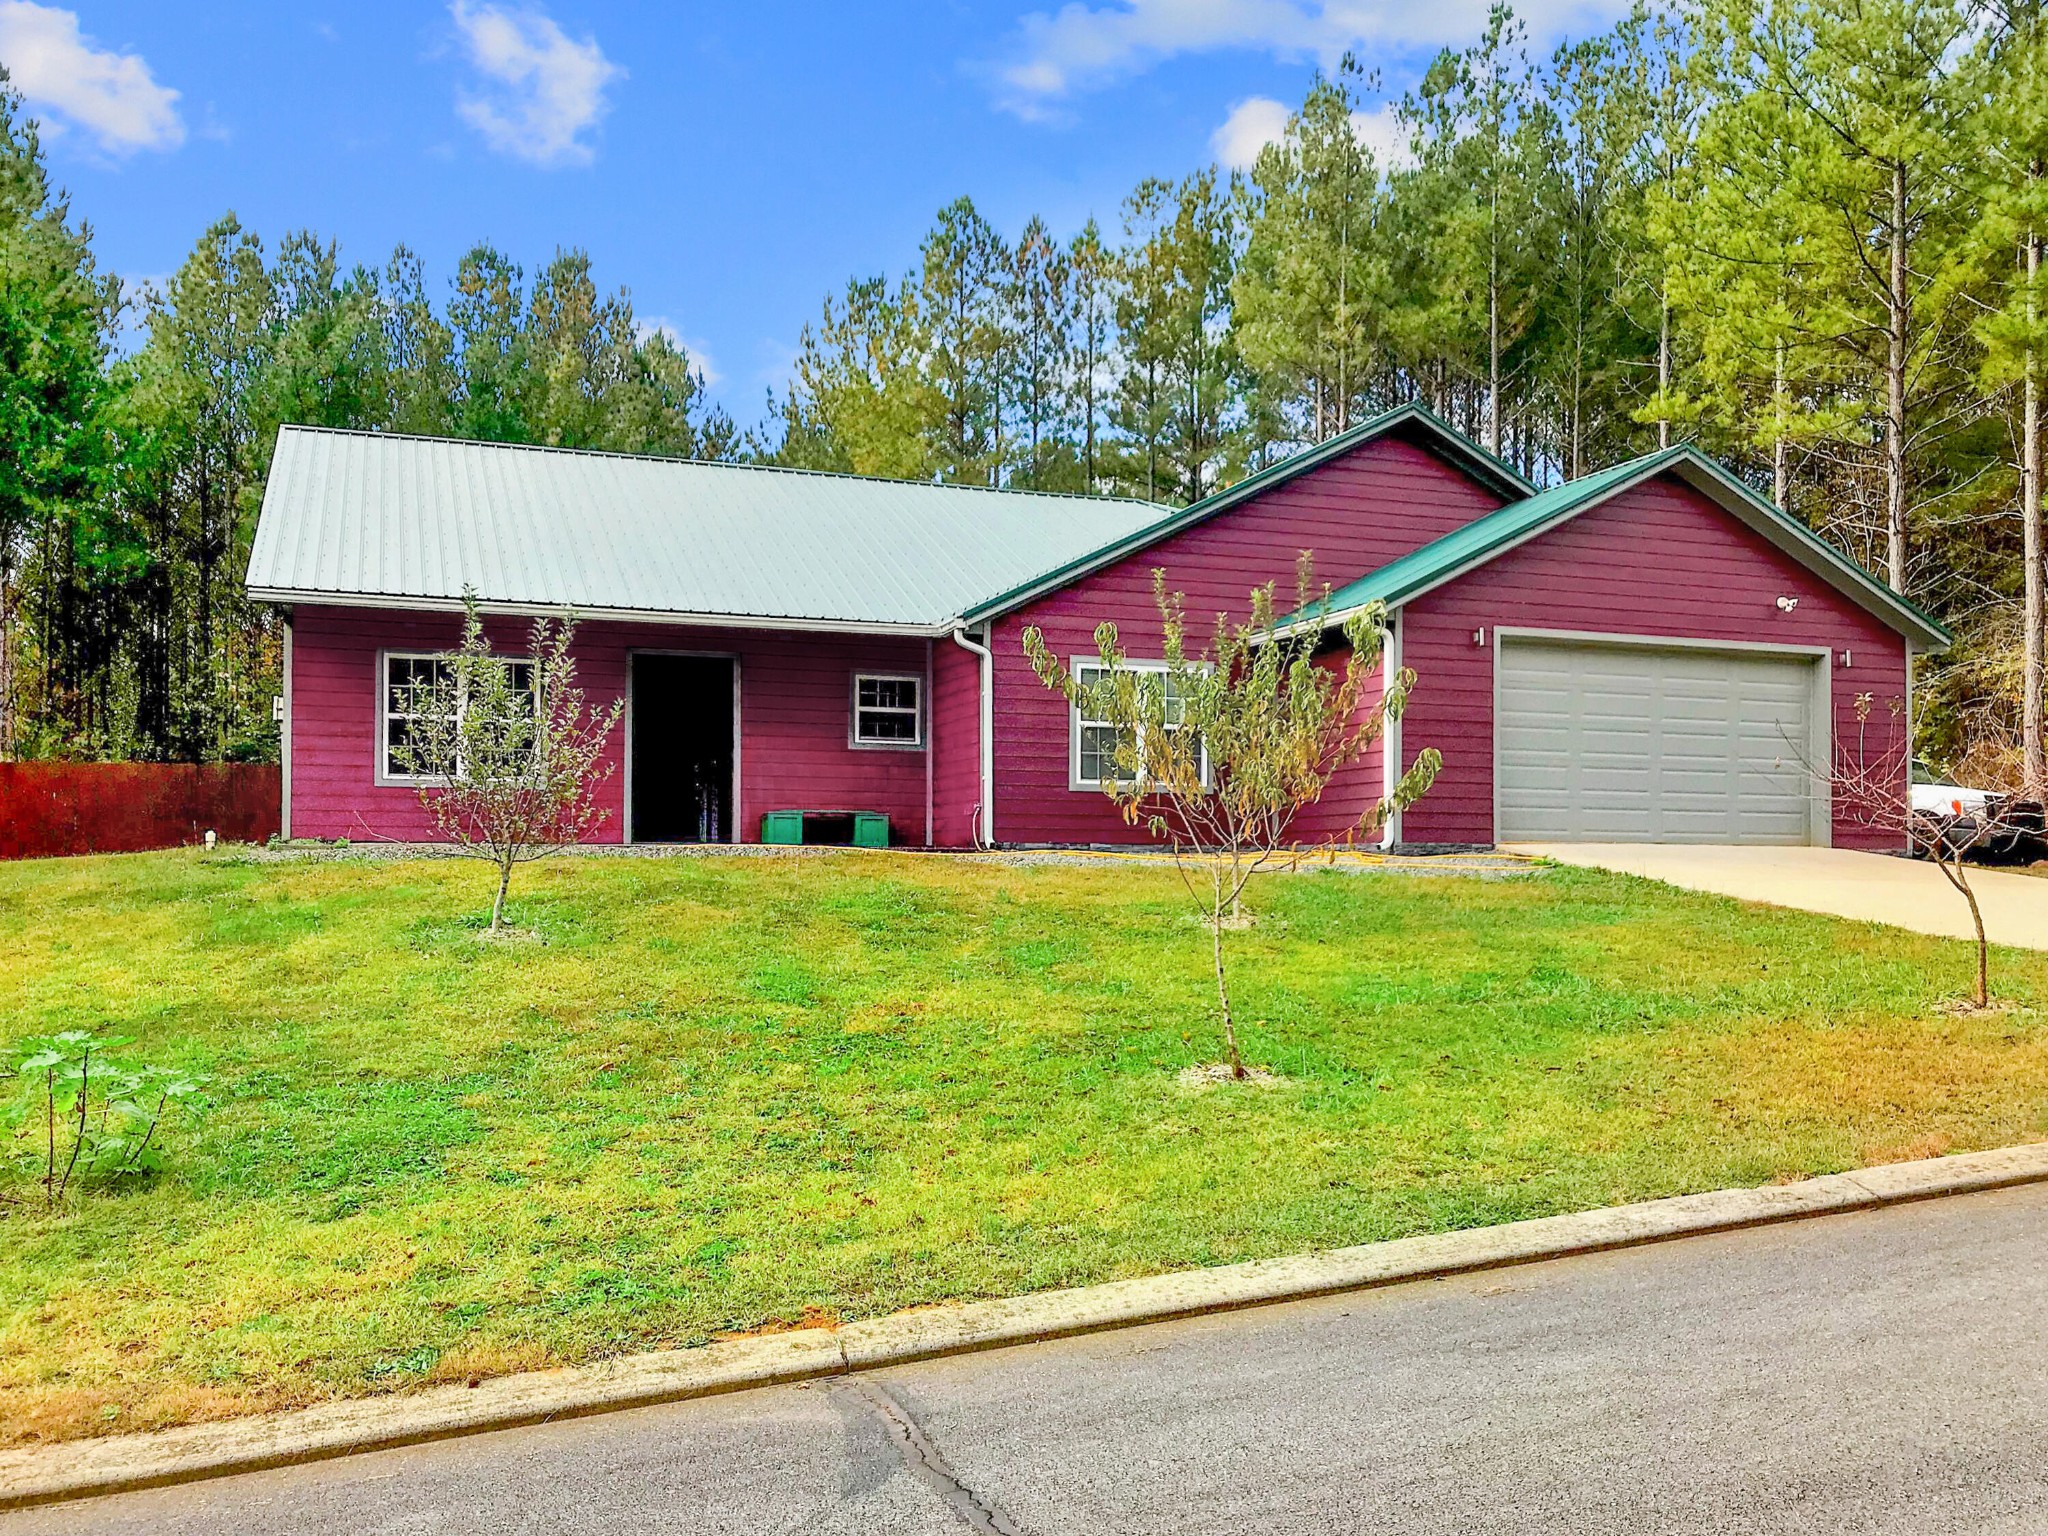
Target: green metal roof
(1494,534)
(395,521)
(1447,440)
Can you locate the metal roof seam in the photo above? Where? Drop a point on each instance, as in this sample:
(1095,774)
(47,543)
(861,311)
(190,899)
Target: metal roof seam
(714,464)
(427,517)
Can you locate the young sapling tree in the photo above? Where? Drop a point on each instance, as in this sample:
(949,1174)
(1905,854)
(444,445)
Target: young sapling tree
(508,755)
(1218,753)
(82,1110)
(1869,781)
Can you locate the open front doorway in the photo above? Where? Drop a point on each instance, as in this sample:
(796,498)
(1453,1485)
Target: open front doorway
(683,724)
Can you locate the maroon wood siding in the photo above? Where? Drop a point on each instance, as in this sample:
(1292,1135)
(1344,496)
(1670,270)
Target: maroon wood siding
(1374,504)
(956,744)
(1352,791)
(1660,559)
(795,714)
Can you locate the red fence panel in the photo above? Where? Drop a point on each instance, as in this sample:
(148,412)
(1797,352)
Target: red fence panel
(59,808)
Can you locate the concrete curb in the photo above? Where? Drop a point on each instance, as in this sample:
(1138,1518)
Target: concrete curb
(80,1469)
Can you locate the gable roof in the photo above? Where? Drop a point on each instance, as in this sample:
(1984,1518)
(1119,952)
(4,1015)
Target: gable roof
(1412,419)
(392,521)
(1481,540)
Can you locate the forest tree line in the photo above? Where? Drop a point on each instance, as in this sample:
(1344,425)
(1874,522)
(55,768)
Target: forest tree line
(1805,234)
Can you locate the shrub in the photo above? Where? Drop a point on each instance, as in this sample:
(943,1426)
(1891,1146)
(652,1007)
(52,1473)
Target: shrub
(82,1112)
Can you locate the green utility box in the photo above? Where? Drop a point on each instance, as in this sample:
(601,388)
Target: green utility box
(859,829)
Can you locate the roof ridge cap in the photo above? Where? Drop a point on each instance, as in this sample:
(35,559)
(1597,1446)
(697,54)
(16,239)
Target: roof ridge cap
(370,434)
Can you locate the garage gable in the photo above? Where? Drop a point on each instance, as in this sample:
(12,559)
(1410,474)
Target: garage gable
(1492,536)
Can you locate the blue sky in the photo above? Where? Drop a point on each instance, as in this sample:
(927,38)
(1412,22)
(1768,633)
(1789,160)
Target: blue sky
(729,164)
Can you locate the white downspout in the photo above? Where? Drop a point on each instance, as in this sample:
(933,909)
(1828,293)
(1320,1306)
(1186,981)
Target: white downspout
(1390,735)
(284,738)
(985,819)
(1908,840)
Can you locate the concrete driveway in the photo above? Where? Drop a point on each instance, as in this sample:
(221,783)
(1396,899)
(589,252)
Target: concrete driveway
(1877,888)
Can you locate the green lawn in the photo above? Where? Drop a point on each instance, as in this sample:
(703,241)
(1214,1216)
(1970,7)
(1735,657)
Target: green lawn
(724,1093)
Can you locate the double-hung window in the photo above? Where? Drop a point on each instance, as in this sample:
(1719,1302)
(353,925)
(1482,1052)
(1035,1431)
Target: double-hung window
(1095,741)
(418,692)
(888,710)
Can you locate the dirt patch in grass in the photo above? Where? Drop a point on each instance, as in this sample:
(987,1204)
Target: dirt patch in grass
(1217,1074)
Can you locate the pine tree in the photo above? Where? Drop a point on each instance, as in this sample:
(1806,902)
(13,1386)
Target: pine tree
(1481,244)
(1041,323)
(487,339)
(1309,293)
(860,401)
(1093,270)
(55,315)
(1588,208)
(2009,135)
(193,439)
(1180,356)
(1861,96)
(964,266)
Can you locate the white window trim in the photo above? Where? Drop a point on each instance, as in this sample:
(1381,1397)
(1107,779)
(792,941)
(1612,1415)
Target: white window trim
(1075,665)
(853,736)
(383,716)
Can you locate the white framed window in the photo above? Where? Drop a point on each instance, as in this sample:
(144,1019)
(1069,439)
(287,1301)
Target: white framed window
(888,709)
(414,684)
(1094,746)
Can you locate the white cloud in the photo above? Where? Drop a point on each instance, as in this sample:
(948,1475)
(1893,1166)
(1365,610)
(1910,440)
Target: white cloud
(110,95)
(1258,121)
(1253,123)
(701,362)
(1382,131)
(1081,46)
(543,90)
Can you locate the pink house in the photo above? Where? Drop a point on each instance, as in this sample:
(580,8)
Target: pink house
(1652,653)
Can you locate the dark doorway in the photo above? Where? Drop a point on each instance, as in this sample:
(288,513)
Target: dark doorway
(682,749)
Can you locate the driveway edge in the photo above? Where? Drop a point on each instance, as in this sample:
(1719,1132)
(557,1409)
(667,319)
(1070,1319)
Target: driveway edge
(80,1469)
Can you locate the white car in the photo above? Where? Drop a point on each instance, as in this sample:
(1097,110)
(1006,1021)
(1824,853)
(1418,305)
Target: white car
(1934,796)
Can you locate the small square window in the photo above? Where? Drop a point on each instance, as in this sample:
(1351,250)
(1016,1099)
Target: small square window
(888,711)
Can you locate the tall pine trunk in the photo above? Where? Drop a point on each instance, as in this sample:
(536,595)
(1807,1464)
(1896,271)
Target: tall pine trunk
(1664,364)
(1900,313)
(2034,767)
(1779,470)
(1493,332)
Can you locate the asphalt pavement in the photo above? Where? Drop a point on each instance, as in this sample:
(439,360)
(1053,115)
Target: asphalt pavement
(1883,1371)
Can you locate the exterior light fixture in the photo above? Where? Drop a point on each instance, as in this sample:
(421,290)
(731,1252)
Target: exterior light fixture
(1787,604)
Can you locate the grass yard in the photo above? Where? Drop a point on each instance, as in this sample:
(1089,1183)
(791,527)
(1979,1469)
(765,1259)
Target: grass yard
(732,1093)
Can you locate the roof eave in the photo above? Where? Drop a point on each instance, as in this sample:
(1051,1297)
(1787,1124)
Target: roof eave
(425,604)
(1726,491)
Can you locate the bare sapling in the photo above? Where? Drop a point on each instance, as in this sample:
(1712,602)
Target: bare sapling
(1870,781)
(1217,753)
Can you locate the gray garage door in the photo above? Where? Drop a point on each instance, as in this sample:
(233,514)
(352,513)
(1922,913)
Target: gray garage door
(1621,743)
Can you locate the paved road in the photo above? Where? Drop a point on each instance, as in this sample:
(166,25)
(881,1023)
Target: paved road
(1876,888)
(1878,1372)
